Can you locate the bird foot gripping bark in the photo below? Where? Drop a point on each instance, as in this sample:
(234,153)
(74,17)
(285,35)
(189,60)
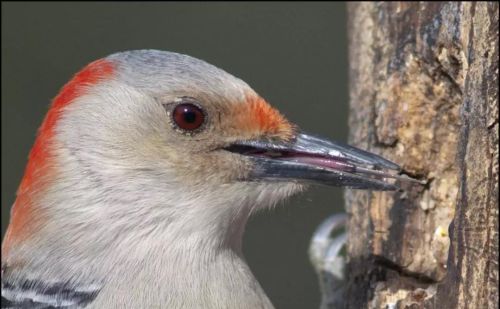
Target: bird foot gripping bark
(325,255)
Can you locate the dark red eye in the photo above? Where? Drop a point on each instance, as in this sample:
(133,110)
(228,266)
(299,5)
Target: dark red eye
(188,116)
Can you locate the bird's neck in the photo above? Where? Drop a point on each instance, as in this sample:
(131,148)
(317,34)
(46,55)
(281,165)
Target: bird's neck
(186,277)
(152,242)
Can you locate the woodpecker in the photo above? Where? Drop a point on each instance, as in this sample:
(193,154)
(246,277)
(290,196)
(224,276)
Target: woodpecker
(141,180)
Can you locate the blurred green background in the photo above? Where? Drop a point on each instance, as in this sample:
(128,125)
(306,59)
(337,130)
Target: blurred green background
(293,54)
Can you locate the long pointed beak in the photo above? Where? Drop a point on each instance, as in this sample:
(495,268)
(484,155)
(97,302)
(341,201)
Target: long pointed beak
(312,159)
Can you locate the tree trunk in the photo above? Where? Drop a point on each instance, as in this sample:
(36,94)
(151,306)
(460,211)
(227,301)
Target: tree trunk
(424,93)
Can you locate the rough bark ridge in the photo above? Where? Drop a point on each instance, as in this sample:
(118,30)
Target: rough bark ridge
(424,93)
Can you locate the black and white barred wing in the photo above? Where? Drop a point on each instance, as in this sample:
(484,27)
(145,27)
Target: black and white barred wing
(41,295)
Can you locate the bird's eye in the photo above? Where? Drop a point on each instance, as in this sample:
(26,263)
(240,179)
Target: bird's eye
(188,116)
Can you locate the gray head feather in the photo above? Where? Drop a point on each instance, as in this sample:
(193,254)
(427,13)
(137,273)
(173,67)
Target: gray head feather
(156,72)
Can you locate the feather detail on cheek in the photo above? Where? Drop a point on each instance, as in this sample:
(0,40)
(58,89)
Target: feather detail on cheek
(39,167)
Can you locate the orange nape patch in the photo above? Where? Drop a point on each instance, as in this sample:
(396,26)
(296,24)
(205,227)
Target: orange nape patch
(258,117)
(38,167)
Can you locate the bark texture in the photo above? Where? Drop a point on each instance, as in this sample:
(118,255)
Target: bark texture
(424,93)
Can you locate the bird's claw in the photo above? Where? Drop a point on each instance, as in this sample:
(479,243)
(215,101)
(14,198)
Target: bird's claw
(325,256)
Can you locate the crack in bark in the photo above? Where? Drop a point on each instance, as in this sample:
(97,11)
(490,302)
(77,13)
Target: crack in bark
(420,278)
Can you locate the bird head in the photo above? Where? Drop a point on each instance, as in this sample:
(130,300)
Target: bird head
(150,138)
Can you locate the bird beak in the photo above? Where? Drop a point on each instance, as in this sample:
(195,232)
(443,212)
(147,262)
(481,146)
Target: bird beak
(312,159)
